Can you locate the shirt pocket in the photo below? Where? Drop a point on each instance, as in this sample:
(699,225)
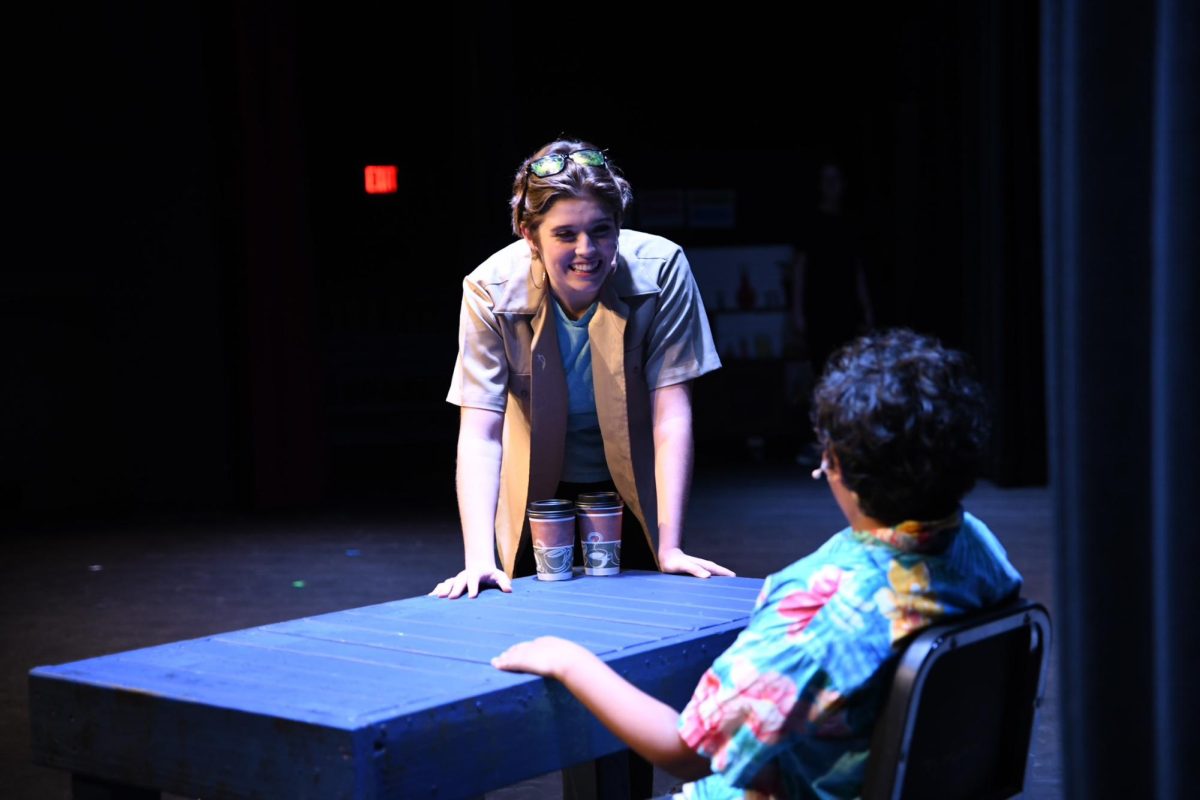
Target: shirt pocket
(635,368)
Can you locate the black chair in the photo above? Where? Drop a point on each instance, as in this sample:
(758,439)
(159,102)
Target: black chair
(960,713)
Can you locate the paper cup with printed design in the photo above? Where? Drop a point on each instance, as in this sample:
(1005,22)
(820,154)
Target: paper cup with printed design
(552,525)
(599,515)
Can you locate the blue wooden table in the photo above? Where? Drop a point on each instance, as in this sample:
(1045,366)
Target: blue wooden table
(396,700)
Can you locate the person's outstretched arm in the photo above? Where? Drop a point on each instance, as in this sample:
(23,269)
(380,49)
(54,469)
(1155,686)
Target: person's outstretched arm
(671,407)
(477,480)
(647,725)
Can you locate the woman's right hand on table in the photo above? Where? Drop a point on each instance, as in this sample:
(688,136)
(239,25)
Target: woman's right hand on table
(472,580)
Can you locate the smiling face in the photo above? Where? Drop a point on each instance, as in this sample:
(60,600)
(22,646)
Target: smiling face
(577,244)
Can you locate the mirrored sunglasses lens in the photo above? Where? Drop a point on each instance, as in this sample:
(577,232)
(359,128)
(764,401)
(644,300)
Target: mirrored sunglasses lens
(588,158)
(547,165)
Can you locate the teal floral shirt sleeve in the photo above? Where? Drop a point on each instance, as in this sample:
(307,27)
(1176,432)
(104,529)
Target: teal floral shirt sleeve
(787,710)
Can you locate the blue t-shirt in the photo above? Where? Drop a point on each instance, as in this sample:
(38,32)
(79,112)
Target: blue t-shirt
(802,685)
(583,458)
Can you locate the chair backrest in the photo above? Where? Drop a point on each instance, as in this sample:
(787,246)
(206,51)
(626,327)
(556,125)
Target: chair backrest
(960,712)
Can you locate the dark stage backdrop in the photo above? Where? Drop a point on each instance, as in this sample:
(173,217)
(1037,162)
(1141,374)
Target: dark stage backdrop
(208,312)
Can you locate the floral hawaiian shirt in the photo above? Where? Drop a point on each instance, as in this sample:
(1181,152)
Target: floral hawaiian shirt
(787,710)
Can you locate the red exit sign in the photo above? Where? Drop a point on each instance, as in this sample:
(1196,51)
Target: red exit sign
(380,179)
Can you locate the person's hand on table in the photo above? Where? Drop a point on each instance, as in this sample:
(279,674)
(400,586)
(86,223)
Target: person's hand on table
(548,656)
(471,580)
(674,560)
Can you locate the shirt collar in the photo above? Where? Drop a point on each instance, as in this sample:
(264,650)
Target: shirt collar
(917,536)
(528,287)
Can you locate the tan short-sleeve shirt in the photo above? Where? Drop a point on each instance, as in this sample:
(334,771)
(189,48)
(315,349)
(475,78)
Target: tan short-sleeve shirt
(649,331)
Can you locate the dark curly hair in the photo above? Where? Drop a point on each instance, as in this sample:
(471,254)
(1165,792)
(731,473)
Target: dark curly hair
(906,421)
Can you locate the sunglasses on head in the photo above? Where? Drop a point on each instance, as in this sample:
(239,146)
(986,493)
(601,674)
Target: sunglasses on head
(555,163)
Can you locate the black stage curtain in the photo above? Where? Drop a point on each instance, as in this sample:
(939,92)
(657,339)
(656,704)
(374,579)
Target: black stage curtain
(1120,139)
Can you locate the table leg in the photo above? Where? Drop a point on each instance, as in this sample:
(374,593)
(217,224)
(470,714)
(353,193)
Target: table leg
(624,775)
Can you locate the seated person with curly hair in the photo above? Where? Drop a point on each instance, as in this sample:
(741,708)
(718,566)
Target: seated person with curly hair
(788,709)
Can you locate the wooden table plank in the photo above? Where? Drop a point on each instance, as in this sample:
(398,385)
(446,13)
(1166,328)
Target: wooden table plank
(522,628)
(451,647)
